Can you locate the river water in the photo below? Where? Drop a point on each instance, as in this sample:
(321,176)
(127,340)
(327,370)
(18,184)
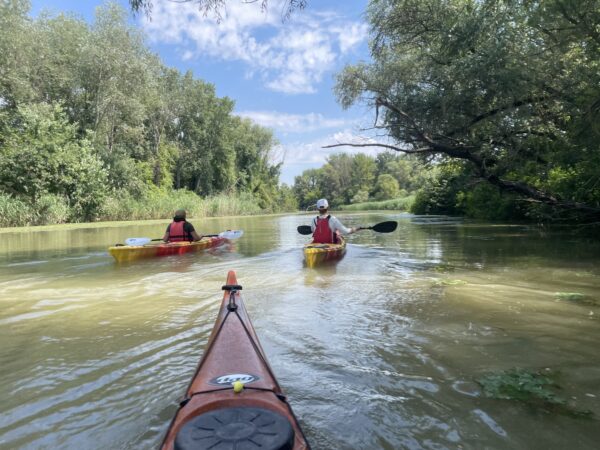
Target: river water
(380,350)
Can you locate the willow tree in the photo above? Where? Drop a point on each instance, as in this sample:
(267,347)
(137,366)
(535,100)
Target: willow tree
(509,87)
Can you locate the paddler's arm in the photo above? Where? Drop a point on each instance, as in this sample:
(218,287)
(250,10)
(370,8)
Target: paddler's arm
(338,226)
(189,228)
(166,236)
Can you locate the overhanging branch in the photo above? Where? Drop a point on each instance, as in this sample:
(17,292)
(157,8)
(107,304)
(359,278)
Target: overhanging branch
(391,147)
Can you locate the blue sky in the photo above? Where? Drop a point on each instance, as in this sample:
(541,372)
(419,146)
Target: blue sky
(279,73)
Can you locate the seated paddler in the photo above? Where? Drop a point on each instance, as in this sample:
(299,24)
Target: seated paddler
(180,229)
(327,228)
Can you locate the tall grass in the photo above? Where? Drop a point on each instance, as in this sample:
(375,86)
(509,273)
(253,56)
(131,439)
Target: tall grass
(13,212)
(48,209)
(162,204)
(402,204)
(154,204)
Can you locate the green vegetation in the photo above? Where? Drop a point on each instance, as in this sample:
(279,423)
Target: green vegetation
(576,297)
(397,204)
(93,127)
(502,96)
(450,283)
(570,296)
(532,388)
(493,106)
(360,182)
(159,204)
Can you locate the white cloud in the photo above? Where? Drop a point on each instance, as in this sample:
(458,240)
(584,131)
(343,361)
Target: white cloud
(293,123)
(301,156)
(290,56)
(313,152)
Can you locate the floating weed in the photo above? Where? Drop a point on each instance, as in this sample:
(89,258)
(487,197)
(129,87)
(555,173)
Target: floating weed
(450,282)
(535,389)
(576,297)
(571,296)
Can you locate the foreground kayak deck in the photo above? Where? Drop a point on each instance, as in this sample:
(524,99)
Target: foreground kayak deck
(315,254)
(123,253)
(212,415)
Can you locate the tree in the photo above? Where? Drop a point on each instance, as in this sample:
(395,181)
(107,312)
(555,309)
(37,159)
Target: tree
(307,187)
(78,99)
(387,187)
(337,180)
(509,87)
(363,174)
(15,33)
(41,154)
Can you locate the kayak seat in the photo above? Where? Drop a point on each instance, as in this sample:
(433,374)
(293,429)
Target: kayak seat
(236,428)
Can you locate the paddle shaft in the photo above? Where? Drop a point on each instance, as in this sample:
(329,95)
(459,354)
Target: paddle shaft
(382,227)
(202,235)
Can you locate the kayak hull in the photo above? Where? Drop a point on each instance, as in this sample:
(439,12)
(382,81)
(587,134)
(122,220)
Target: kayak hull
(315,254)
(233,353)
(125,253)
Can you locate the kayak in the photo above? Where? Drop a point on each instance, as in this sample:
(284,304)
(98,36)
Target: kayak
(124,253)
(318,253)
(234,400)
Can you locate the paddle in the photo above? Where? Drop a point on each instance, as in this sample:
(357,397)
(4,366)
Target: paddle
(229,235)
(383,227)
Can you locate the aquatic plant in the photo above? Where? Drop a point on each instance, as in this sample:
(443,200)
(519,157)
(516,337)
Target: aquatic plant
(450,283)
(536,389)
(576,297)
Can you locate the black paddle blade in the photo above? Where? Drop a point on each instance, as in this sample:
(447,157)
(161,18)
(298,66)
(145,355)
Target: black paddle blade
(385,227)
(304,229)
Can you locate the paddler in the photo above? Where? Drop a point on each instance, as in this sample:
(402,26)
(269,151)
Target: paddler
(327,228)
(180,229)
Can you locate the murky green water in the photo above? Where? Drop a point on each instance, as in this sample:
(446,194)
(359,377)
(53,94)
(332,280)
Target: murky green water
(379,351)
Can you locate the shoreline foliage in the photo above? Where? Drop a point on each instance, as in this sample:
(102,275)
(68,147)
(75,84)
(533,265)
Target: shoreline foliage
(502,93)
(93,126)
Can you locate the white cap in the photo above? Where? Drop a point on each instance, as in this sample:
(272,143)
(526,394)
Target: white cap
(322,203)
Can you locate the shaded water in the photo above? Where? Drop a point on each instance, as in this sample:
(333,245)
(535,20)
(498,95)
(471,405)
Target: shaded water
(378,351)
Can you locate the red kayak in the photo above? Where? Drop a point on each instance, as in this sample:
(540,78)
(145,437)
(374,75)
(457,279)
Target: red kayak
(234,401)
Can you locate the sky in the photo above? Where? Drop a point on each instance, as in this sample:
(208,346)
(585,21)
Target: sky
(280,73)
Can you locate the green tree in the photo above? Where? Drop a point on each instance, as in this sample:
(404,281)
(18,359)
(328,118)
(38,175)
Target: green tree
(510,87)
(387,187)
(41,154)
(360,197)
(337,182)
(15,54)
(363,173)
(145,128)
(307,187)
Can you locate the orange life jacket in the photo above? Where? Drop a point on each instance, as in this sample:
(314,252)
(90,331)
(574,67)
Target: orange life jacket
(177,233)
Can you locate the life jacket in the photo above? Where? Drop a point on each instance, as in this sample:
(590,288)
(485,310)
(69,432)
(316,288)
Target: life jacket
(322,233)
(177,233)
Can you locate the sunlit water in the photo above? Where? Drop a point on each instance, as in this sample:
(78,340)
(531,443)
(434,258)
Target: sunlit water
(378,351)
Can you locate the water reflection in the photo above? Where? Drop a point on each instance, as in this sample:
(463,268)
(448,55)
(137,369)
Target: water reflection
(379,350)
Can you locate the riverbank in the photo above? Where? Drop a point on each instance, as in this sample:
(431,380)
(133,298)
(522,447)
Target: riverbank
(153,205)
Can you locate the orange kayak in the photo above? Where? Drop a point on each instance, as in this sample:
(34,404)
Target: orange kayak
(123,253)
(315,254)
(234,400)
